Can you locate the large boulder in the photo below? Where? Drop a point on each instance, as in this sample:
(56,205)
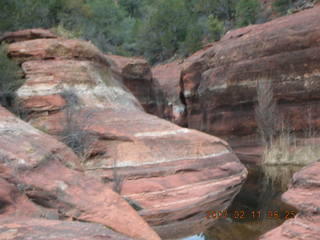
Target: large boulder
(304,195)
(41,177)
(166,172)
(218,85)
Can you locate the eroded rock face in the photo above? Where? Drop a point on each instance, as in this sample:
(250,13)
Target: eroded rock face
(218,84)
(41,177)
(303,194)
(166,172)
(169,78)
(137,77)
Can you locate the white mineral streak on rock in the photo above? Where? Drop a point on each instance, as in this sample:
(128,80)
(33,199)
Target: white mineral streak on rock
(99,94)
(38,90)
(157,160)
(16,127)
(162,133)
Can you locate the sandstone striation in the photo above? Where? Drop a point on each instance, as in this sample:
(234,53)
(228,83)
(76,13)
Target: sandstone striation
(42,178)
(27,34)
(167,173)
(37,229)
(218,84)
(304,195)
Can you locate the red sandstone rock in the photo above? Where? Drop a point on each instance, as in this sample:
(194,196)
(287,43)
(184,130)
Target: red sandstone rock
(38,229)
(306,228)
(137,77)
(167,172)
(14,203)
(27,34)
(58,48)
(44,103)
(132,67)
(283,51)
(46,80)
(303,194)
(40,166)
(218,84)
(170,77)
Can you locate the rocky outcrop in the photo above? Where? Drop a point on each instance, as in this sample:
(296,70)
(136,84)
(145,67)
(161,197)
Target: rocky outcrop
(304,195)
(27,34)
(55,48)
(169,78)
(137,77)
(218,84)
(166,172)
(41,177)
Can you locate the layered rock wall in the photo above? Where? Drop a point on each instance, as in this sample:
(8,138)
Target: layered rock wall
(218,85)
(42,178)
(166,172)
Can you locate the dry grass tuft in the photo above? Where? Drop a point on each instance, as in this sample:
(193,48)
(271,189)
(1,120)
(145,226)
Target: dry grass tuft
(283,153)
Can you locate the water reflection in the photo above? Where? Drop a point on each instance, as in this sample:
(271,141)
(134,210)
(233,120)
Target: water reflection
(261,193)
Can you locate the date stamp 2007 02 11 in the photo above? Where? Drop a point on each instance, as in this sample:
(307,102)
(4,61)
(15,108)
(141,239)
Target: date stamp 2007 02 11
(251,215)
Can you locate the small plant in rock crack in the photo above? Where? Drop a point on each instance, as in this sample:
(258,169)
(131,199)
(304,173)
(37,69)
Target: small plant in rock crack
(75,123)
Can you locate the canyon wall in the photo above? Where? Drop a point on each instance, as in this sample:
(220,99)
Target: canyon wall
(215,90)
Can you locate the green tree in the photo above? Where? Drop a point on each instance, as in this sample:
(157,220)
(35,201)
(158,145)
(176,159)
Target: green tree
(21,14)
(164,29)
(192,41)
(246,12)
(223,9)
(282,6)
(104,25)
(134,8)
(215,27)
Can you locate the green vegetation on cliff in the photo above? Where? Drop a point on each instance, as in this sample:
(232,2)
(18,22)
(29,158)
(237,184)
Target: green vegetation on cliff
(155,29)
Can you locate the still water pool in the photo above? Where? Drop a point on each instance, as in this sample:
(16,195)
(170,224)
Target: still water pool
(255,210)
